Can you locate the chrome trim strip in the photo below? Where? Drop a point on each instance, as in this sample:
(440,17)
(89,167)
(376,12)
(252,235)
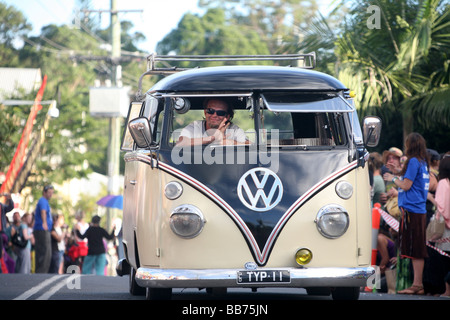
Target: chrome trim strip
(300,277)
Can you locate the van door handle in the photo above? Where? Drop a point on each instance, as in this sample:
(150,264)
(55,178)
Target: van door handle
(133,182)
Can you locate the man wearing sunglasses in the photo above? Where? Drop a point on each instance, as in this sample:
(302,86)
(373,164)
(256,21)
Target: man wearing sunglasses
(215,128)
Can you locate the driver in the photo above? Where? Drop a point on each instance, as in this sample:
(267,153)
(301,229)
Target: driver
(215,128)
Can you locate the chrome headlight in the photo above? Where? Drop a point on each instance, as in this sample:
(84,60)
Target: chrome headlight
(186,221)
(344,189)
(332,221)
(173,190)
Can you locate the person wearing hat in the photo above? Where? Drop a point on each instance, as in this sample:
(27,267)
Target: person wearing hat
(392,164)
(41,231)
(391,160)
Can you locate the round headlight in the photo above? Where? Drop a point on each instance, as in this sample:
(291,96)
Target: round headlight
(173,190)
(332,221)
(344,189)
(186,221)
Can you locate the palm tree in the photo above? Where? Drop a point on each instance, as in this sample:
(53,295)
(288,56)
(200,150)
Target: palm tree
(403,64)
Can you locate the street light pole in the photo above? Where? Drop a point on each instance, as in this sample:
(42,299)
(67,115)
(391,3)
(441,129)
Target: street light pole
(114,122)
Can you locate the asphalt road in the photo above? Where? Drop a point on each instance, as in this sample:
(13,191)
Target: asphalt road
(108,297)
(91,287)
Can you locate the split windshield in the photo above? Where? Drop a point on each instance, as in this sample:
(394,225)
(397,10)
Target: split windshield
(284,121)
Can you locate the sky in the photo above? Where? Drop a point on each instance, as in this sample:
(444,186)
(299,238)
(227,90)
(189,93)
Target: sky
(158,18)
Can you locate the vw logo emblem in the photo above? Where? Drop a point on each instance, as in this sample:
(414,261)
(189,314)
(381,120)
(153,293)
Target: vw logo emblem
(260,189)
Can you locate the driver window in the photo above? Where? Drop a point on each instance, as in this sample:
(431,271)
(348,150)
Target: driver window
(243,118)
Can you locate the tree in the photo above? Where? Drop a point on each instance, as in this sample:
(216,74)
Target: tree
(12,25)
(274,22)
(211,34)
(75,143)
(402,66)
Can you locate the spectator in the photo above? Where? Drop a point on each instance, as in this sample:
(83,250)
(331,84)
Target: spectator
(413,189)
(434,159)
(82,226)
(58,234)
(375,164)
(22,254)
(4,208)
(386,256)
(443,207)
(96,258)
(392,164)
(42,228)
(391,160)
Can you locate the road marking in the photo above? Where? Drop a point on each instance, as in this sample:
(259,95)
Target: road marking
(35,289)
(57,286)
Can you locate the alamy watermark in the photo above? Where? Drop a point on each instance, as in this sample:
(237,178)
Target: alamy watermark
(374,21)
(374,281)
(74,281)
(264,154)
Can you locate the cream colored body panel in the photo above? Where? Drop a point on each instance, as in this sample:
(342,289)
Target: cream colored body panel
(222,244)
(350,250)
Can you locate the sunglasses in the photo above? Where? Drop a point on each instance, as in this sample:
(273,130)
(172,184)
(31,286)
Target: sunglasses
(220,113)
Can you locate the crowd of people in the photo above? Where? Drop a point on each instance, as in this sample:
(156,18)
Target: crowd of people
(40,242)
(411,187)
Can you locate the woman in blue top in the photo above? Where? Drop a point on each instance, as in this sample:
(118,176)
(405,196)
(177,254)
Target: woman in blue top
(412,196)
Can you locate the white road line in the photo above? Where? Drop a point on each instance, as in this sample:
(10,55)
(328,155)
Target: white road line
(35,289)
(57,286)
(52,290)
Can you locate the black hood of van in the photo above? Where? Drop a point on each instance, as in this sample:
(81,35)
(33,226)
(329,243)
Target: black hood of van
(301,173)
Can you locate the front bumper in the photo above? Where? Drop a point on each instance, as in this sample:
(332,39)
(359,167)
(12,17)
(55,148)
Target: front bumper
(206,278)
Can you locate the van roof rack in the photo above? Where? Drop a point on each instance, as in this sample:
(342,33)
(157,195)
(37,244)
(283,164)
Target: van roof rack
(306,61)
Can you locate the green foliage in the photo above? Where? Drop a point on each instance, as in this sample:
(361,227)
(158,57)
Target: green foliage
(397,70)
(210,34)
(400,71)
(75,142)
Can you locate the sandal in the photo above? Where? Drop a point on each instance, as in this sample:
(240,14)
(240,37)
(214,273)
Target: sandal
(414,289)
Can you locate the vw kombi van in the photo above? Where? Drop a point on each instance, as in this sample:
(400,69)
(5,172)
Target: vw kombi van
(246,176)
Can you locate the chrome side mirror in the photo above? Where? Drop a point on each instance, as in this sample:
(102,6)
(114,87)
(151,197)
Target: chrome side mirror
(371,131)
(141,132)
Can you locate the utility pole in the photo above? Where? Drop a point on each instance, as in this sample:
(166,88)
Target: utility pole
(114,121)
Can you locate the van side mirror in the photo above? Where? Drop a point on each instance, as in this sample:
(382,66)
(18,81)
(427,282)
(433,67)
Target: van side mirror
(141,132)
(371,131)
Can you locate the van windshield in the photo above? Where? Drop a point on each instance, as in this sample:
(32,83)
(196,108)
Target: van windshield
(307,120)
(304,128)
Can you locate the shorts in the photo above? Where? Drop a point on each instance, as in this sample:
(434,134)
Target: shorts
(412,235)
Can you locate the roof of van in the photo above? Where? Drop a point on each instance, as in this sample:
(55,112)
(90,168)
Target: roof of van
(248,78)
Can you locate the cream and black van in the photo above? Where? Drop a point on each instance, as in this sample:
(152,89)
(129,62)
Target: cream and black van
(286,205)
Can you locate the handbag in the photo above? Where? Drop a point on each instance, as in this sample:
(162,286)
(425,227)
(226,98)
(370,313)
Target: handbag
(392,207)
(19,241)
(435,228)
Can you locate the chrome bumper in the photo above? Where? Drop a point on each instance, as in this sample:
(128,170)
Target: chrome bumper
(205,278)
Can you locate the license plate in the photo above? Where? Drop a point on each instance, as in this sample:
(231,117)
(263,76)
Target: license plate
(263,276)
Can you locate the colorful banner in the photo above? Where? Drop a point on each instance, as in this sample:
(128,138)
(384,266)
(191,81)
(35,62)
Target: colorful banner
(19,156)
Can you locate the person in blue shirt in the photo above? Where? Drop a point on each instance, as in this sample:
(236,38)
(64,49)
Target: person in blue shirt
(413,185)
(42,228)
